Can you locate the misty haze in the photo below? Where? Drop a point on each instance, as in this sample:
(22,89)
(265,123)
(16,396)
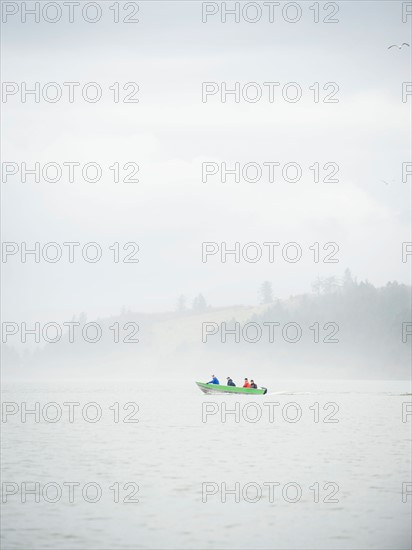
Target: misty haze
(206,263)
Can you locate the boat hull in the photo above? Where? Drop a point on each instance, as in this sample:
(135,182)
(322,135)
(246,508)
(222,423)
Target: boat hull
(219,389)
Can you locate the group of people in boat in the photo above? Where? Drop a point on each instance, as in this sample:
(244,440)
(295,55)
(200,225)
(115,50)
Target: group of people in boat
(230,382)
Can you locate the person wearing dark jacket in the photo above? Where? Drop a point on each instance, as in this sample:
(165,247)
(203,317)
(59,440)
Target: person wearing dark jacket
(253,385)
(230,382)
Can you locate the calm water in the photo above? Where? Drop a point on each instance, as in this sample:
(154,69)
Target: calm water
(171,452)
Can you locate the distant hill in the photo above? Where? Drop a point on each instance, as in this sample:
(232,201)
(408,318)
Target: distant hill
(351,330)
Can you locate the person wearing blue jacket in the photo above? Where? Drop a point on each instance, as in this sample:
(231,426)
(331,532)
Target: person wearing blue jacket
(214,380)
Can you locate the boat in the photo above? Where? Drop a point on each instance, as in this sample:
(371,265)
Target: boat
(218,388)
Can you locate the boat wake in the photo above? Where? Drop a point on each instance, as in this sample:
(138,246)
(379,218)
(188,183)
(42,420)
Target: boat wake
(290,393)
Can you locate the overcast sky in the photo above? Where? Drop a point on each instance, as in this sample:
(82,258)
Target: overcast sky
(171,132)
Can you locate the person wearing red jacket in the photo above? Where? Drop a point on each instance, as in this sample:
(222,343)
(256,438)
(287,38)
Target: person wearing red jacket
(246,384)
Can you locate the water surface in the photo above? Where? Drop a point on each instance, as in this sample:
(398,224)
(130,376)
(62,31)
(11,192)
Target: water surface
(171,451)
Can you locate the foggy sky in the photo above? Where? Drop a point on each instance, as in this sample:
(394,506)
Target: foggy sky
(170,132)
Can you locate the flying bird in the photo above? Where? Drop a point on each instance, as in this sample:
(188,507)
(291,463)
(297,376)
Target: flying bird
(399,47)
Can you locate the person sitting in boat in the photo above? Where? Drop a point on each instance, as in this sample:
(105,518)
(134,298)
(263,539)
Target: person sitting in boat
(230,382)
(253,385)
(214,380)
(246,384)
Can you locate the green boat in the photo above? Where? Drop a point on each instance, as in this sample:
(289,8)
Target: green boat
(218,388)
